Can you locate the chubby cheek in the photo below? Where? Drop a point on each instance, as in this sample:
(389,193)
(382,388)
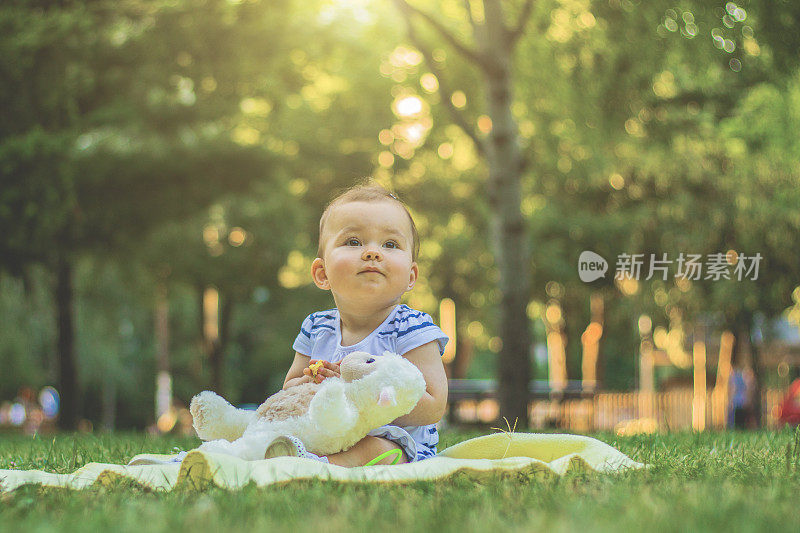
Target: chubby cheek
(341,265)
(400,265)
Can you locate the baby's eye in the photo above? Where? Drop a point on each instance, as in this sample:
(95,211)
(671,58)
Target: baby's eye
(390,244)
(353,242)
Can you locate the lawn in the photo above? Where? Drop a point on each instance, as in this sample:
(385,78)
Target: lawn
(738,481)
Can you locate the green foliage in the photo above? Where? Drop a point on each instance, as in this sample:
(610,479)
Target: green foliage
(33,210)
(27,330)
(649,129)
(139,137)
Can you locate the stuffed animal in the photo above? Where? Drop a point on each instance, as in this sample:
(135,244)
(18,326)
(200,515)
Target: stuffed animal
(327,417)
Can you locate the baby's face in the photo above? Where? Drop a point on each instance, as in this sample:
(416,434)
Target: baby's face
(367,253)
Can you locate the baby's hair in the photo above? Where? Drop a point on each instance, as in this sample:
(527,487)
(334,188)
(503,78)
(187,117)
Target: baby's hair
(367,191)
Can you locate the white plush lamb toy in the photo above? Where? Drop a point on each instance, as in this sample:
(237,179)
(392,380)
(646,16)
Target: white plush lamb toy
(328,417)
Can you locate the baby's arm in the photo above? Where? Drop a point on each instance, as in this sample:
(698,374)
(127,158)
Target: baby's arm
(433,403)
(297,372)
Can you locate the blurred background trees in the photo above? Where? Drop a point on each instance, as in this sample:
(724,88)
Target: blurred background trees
(163,166)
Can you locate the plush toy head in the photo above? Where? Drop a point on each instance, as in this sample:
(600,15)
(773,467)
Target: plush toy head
(356,365)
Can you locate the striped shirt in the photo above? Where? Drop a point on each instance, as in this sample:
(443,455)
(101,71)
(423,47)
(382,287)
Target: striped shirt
(403,330)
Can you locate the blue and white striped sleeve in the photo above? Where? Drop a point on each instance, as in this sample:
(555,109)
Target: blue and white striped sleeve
(304,344)
(416,328)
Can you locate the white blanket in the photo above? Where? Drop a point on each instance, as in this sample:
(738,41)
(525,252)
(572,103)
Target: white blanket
(522,455)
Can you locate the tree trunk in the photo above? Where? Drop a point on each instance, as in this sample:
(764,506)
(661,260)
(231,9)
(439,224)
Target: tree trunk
(67,375)
(600,364)
(464,353)
(199,362)
(508,230)
(755,361)
(217,309)
(109,407)
(493,54)
(163,399)
(226,308)
(590,341)
(757,384)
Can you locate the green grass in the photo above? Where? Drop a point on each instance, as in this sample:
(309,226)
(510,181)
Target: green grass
(698,482)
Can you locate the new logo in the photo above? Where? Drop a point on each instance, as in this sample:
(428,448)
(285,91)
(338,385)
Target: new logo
(591,266)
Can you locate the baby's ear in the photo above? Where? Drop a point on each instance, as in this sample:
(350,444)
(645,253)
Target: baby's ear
(413,276)
(319,275)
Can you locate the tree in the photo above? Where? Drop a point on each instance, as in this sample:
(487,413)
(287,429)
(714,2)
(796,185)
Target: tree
(109,135)
(492,55)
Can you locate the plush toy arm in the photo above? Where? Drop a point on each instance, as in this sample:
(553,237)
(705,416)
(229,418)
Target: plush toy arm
(331,411)
(214,418)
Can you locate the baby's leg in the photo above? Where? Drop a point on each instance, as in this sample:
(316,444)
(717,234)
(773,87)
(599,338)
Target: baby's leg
(365,450)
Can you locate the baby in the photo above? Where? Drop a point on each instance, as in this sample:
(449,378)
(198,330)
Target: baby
(367,253)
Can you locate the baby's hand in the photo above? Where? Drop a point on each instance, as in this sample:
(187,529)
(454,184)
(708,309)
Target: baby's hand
(326,370)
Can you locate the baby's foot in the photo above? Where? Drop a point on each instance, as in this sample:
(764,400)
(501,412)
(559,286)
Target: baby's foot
(289,446)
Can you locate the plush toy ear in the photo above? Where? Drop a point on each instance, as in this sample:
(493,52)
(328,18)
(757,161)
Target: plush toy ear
(387,396)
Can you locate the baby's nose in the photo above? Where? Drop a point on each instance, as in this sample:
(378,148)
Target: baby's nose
(371,255)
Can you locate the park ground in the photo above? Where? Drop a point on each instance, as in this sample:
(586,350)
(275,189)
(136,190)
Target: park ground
(730,481)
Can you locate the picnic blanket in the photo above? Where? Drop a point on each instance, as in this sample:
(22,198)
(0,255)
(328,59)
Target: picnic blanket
(517,455)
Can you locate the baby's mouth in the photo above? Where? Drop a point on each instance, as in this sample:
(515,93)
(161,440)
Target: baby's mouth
(371,270)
